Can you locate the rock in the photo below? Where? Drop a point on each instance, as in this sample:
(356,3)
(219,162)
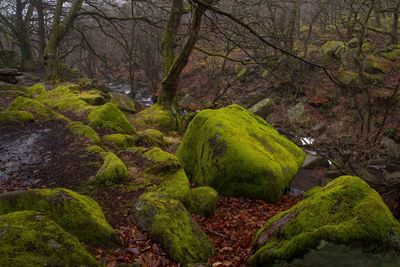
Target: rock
(77,214)
(93,97)
(84,131)
(15,117)
(168,222)
(345,212)
(151,137)
(165,174)
(391,53)
(312,162)
(35,90)
(376,65)
(108,116)
(238,154)
(120,141)
(39,110)
(112,171)
(334,49)
(392,148)
(392,177)
(123,102)
(263,108)
(297,114)
(353,43)
(319,128)
(202,201)
(333,174)
(157,117)
(31,239)
(188,102)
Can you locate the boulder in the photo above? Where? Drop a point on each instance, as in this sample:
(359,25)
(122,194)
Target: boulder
(93,97)
(39,110)
(168,222)
(376,65)
(13,117)
(77,214)
(108,116)
(202,201)
(346,212)
(334,49)
(151,137)
(392,148)
(120,141)
(312,162)
(263,108)
(84,131)
(297,114)
(113,169)
(29,238)
(123,102)
(157,117)
(238,154)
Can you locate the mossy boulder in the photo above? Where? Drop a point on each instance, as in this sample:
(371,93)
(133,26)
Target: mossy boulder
(168,222)
(151,137)
(35,90)
(39,110)
(108,116)
(84,131)
(13,117)
(165,174)
(123,102)
(93,97)
(376,65)
(202,201)
(158,117)
(29,238)
(239,154)
(64,98)
(391,53)
(344,212)
(120,141)
(263,108)
(334,49)
(113,169)
(77,214)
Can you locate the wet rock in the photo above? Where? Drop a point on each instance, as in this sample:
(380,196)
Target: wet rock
(345,212)
(238,154)
(263,108)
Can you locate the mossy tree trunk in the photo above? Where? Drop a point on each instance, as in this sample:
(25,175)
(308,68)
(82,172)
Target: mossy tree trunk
(60,29)
(174,64)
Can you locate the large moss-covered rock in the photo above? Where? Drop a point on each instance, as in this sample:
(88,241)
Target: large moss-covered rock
(39,110)
(239,154)
(12,117)
(113,169)
(165,174)
(92,97)
(120,141)
(202,201)
(84,131)
(151,137)
(80,215)
(334,49)
(158,117)
(28,238)
(376,65)
(123,102)
(108,116)
(344,212)
(168,222)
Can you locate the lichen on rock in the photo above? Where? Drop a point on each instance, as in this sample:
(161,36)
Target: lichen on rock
(344,212)
(239,154)
(77,214)
(108,116)
(168,222)
(29,238)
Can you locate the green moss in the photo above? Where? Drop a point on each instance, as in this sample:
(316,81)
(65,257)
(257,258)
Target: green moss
(123,102)
(63,98)
(112,171)
(31,239)
(85,131)
(157,117)
(334,49)
(108,116)
(77,214)
(165,174)
(35,90)
(95,149)
(391,55)
(39,110)
(239,154)
(346,211)
(121,141)
(202,201)
(347,76)
(151,137)
(92,97)
(168,223)
(9,117)
(375,65)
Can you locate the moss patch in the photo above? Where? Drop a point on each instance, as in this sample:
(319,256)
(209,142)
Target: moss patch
(346,211)
(157,117)
(92,97)
(108,116)
(77,214)
(39,110)
(10,117)
(85,131)
(151,137)
(334,49)
(202,201)
(376,65)
(112,171)
(167,222)
(35,90)
(123,102)
(31,239)
(239,154)
(120,141)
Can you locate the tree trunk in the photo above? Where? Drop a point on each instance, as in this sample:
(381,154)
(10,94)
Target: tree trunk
(41,29)
(394,39)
